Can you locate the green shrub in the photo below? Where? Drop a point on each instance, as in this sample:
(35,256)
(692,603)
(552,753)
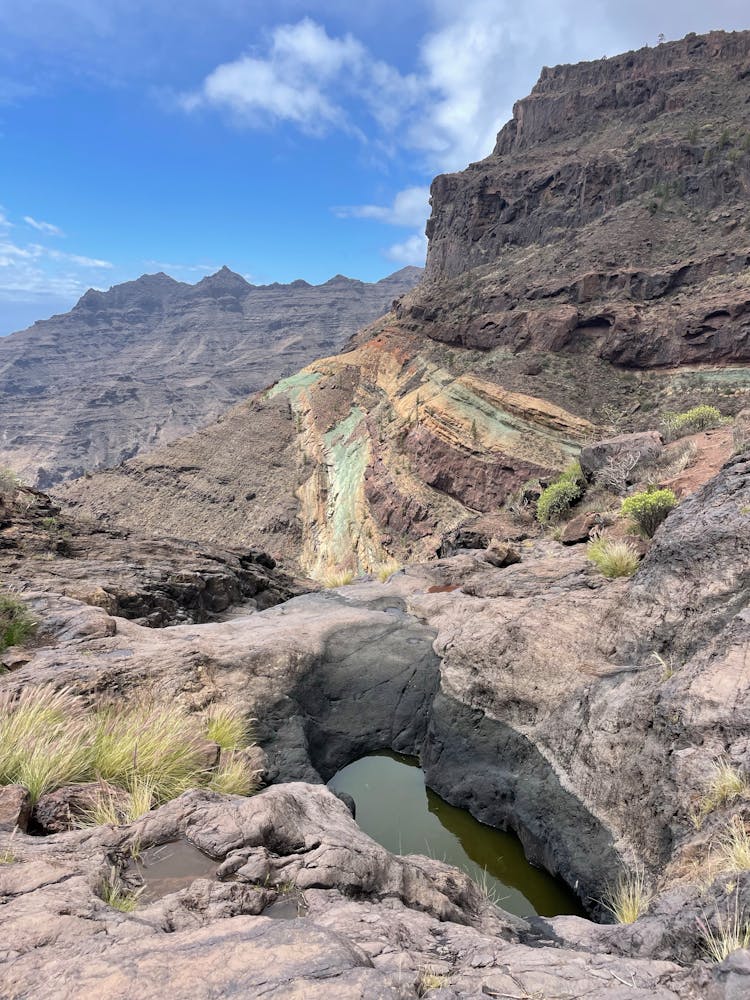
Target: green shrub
(16,624)
(557,499)
(699,418)
(649,509)
(613,558)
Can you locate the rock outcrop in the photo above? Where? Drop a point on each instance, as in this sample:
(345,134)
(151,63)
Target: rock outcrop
(155,581)
(151,360)
(362,923)
(588,275)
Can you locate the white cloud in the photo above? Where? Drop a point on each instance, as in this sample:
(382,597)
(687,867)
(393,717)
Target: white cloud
(43,227)
(308,78)
(410,207)
(412,250)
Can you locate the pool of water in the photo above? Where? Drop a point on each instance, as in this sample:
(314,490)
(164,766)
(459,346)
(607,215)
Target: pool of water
(396,809)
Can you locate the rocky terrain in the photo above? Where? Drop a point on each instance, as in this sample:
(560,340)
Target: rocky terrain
(586,277)
(155,581)
(151,360)
(535,692)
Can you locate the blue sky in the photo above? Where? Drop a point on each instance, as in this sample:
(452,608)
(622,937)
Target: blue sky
(286,140)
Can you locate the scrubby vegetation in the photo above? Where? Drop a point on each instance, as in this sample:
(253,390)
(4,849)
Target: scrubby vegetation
(16,624)
(649,509)
(557,499)
(629,897)
(9,484)
(699,418)
(613,557)
(150,750)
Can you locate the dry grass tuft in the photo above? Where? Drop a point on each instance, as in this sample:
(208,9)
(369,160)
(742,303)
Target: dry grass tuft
(154,751)
(233,777)
(731,933)
(734,847)
(116,894)
(429,980)
(629,897)
(727,785)
(613,558)
(229,727)
(385,570)
(338,578)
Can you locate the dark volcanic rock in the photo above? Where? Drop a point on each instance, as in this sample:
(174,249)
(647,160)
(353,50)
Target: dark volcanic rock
(151,360)
(608,218)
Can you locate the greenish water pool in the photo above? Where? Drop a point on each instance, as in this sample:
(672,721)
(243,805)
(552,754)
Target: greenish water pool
(396,809)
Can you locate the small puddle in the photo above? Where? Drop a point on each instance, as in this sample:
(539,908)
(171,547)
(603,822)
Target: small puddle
(167,868)
(396,809)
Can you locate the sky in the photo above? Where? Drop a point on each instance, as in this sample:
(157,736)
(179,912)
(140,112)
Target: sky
(286,140)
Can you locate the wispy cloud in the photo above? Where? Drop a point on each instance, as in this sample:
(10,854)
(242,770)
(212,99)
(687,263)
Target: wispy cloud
(43,227)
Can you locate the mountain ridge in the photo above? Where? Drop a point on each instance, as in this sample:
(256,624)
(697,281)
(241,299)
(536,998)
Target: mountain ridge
(152,359)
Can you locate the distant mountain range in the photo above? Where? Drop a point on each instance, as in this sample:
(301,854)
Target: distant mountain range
(153,359)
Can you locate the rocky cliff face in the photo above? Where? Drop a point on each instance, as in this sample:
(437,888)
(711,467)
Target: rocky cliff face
(590,274)
(153,359)
(610,217)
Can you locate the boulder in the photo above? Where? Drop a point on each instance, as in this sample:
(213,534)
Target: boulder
(15,808)
(625,452)
(501,554)
(579,528)
(66,808)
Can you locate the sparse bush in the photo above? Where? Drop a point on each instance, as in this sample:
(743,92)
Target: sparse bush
(16,624)
(557,499)
(615,475)
(649,509)
(629,897)
(699,418)
(612,557)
